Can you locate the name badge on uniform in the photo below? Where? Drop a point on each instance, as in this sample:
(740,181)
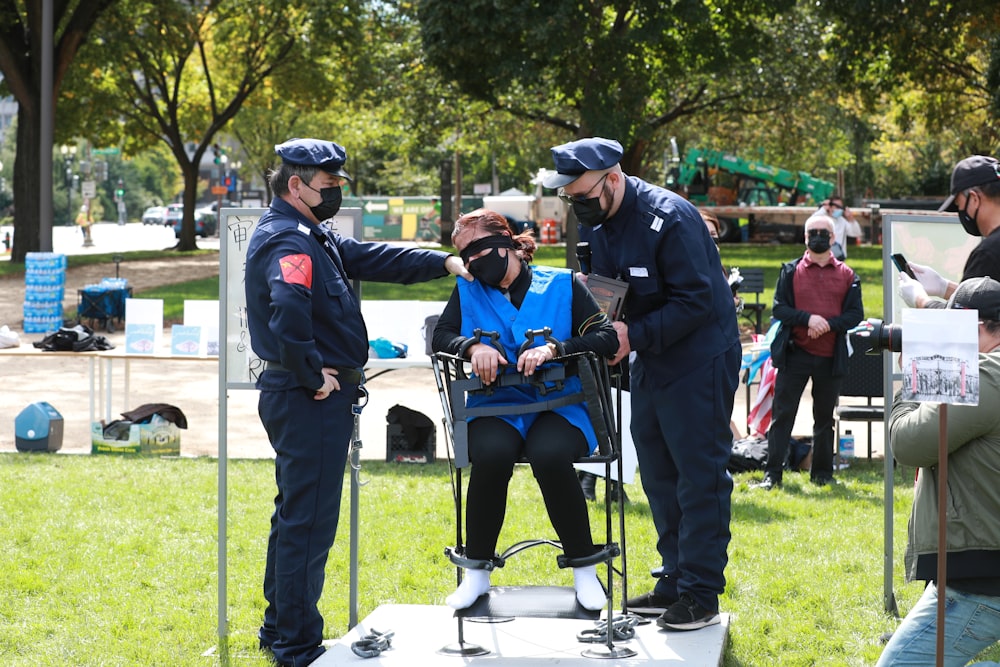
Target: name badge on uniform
(638,272)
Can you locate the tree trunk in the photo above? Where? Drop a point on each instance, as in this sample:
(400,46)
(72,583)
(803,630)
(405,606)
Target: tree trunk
(187,241)
(27,203)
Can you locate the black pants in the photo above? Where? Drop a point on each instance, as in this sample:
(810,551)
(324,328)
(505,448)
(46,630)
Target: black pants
(789,383)
(551,448)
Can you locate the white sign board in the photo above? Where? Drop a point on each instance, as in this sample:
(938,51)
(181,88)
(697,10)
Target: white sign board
(940,361)
(241,365)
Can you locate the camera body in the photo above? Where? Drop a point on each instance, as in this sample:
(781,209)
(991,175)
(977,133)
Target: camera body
(881,336)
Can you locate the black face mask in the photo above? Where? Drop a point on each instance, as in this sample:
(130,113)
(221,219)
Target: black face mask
(589,212)
(330,200)
(818,243)
(969,223)
(491,268)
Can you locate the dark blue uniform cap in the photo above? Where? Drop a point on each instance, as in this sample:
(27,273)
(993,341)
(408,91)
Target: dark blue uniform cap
(326,155)
(574,159)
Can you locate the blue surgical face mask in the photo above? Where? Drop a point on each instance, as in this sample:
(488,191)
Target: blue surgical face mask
(838,213)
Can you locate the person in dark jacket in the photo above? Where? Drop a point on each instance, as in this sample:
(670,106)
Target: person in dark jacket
(817,300)
(681,324)
(305,325)
(510,297)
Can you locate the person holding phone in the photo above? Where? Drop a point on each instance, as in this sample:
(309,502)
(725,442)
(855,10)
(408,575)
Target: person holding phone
(844,224)
(975,195)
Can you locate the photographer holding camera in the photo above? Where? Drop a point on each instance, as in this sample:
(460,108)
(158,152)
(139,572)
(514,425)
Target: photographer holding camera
(972,620)
(975,194)
(817,300)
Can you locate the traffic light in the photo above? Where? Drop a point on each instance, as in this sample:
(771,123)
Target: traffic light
(120,190)
(218,152)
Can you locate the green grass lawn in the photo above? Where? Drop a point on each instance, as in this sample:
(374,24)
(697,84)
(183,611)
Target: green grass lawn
(112,561)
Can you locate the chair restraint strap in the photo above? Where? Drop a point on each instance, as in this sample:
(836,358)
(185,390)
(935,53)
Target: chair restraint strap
(607,552)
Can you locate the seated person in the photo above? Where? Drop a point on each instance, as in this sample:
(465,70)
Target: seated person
(510,297)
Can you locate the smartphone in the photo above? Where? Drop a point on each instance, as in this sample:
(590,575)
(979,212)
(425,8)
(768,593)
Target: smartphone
(902,265)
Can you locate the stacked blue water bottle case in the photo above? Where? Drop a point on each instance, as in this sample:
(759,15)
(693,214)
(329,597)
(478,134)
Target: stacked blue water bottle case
(45,286)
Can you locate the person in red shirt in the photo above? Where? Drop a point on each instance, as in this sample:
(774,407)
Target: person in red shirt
(817,301)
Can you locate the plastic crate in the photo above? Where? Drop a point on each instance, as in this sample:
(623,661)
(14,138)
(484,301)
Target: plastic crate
(401,449)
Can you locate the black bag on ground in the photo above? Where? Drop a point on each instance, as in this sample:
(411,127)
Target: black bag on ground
(410,435)
(748,454)
(79,338)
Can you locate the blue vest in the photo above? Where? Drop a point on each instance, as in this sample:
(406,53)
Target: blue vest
(548,303)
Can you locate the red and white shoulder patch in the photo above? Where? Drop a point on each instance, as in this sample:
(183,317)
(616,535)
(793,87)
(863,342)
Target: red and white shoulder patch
(297,270)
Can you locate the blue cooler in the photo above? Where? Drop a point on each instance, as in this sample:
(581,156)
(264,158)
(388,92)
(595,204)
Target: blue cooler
(38,428)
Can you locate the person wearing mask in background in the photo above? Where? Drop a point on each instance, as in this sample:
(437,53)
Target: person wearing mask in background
(680,321)
(844,224)
(510,297)
(305,325)
(972,587)
(975,194)
(817,300)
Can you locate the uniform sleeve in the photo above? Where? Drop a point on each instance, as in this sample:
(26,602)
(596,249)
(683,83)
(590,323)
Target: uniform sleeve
(682,276)
(386,263)
(289,271)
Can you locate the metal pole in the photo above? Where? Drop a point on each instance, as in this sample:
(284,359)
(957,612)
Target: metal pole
(46,128)
(355,500)
(942,555)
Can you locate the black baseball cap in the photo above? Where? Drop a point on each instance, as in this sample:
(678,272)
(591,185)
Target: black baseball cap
(982,294)
(970,172)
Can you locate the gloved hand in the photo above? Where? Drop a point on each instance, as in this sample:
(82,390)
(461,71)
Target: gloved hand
(911,291)
(933,283)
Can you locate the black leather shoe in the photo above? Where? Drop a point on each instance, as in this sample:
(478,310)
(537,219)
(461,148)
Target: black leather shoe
(768,483)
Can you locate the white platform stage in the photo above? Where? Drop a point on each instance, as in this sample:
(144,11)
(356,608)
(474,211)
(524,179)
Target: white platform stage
(421,631)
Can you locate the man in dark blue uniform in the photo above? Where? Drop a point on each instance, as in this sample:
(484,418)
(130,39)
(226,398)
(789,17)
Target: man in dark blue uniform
(305,323)
(679,320)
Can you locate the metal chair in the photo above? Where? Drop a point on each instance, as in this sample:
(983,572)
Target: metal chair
(753,283)
(865,378)
(455,383)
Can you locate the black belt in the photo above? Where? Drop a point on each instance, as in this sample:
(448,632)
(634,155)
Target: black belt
(347,375)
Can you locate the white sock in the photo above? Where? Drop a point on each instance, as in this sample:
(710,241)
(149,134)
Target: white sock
(474,584)
(589,591)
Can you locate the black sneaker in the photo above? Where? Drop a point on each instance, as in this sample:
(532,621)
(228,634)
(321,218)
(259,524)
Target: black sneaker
(686,614)
(822,480)
(649,604)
